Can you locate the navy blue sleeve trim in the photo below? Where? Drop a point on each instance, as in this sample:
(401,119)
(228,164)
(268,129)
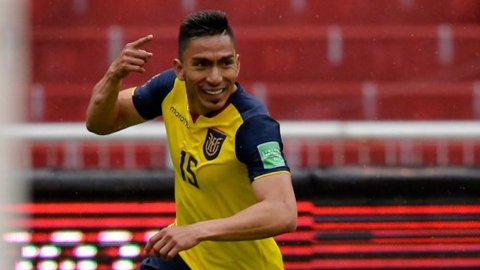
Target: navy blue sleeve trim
(253,132)
(148,98)
(246,104)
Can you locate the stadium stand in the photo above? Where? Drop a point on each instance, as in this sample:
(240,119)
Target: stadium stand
(365,203)
(304,101)
(326,53)
(251,12)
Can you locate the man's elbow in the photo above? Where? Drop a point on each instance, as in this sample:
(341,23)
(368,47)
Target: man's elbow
(96,129)
(92,125)
(289,221)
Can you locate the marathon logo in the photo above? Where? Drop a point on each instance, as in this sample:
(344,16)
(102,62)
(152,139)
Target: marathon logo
(180,117)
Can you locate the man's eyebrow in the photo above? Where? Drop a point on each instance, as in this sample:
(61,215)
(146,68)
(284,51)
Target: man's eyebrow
(202,58)
(227,57)
(199,58)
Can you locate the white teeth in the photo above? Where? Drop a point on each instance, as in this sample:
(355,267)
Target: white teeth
(213,92)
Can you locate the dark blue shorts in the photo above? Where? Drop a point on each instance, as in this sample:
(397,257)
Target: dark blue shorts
(155,263)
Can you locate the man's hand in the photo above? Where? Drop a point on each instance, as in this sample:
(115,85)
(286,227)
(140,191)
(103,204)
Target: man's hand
(131,58)
(167,243)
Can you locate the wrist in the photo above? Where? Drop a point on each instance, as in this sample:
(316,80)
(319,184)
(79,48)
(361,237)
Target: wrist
(202,231)
(113,77)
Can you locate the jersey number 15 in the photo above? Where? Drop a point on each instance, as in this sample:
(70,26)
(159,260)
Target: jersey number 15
(191,163)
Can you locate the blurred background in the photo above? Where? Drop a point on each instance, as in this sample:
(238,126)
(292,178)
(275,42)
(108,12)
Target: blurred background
(379,102)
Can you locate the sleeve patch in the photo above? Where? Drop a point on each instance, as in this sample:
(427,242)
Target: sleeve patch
(271,155)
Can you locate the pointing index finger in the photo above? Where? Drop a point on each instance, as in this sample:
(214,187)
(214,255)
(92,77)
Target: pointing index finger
(142,41)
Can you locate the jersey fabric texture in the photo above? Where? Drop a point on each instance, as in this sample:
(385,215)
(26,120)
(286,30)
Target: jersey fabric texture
(215,159)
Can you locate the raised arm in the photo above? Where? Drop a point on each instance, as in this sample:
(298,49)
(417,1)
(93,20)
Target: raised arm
(111,109)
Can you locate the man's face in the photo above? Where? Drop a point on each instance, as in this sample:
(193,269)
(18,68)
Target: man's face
(209,67)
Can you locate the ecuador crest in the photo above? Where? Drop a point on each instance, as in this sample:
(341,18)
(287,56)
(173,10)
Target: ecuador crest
(213,143)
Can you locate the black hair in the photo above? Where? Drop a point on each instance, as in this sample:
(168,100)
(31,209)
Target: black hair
(201,24)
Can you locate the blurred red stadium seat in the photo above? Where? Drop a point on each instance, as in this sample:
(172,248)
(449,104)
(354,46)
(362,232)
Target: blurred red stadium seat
(424,101)
(60,103)
(380,53)
(95,155)
(82,55)
(352,101)
(308,101)
(359,53)
(100,14)
(47,13)
(312,154)
(328,153)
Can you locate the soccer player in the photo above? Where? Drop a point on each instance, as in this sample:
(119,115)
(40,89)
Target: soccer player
(233,187)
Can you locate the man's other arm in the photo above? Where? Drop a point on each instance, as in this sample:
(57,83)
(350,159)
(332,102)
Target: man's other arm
(274,214)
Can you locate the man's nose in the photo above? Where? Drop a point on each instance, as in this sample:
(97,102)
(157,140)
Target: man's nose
(215,76)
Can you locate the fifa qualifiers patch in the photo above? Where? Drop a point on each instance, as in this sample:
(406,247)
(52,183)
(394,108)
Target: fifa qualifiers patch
(271,155)
(213,143)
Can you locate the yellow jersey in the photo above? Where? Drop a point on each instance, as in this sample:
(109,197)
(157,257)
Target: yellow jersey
(216,158)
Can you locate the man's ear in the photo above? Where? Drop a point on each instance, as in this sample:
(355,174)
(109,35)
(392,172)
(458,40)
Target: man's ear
(179,70)
(238,63)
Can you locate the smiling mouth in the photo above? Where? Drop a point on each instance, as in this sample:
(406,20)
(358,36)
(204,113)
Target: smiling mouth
(213,92)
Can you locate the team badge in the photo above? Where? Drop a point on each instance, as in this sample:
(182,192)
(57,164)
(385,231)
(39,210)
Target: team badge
(213,143)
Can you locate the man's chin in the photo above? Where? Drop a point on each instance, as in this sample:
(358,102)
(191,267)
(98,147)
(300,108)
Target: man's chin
(213,106)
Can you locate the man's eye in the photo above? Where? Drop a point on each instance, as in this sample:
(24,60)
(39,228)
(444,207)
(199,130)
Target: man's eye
(228,62)
(200,64)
